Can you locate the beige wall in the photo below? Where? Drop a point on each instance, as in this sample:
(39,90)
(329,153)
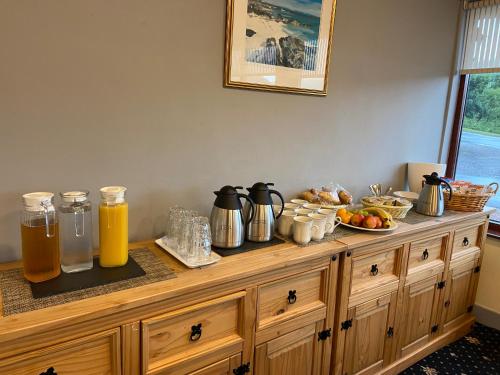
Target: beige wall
(99,92)
(488,295)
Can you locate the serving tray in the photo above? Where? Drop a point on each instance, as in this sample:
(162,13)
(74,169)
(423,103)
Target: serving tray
(191,263)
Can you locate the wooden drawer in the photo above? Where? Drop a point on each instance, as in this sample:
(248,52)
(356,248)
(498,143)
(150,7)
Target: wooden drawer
(95,354)
(185,340)
(374,270)
(464,239)
(224,367)
(426,251)
(286,298)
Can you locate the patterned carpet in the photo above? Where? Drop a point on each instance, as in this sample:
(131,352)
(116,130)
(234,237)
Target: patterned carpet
(477,353)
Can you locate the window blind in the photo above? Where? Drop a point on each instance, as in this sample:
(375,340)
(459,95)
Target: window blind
(482,37)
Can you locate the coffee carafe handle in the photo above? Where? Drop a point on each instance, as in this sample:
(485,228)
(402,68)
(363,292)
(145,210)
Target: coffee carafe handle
(282,201)
(252,205)
(449,187)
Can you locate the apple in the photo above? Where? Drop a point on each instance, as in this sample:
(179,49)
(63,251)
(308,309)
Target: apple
(357,220)
(370,222)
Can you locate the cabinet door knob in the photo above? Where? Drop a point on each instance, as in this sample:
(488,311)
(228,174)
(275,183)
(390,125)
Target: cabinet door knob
(390,332)
(49,371)
(374,270)
(195,332)
(425,254)
(465,242)
(292,297)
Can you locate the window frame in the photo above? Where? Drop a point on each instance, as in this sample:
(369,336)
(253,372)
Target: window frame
(456,134)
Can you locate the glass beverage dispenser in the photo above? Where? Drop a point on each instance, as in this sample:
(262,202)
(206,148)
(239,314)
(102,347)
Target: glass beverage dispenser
(40,237)
(75,216)
(113,227)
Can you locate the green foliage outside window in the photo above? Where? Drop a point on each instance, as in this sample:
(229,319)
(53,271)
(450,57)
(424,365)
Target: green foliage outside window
(482,108)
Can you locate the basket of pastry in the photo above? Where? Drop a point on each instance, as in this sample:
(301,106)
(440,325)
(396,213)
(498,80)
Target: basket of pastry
(468,197)
(331,196)
(397,207)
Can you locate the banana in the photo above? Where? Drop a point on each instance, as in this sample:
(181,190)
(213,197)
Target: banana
(387,220)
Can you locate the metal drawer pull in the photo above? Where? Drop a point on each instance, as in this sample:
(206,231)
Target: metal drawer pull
(425,254)
(465,242)
(195,332)
(292,297)
(374,270)
(50,371)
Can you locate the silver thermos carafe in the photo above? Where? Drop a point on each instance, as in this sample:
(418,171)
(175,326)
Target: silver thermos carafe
(260,228)
(431,199)
(226,220)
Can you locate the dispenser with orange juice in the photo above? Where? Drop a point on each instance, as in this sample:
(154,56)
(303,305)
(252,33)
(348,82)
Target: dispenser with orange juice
(113,227)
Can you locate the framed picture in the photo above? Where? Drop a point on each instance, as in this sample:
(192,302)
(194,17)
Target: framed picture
(279,45)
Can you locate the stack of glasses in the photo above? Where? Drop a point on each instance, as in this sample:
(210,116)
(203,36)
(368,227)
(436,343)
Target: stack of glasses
(188,234)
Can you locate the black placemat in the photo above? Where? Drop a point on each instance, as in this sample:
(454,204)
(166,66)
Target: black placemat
(97,276)
(247,246)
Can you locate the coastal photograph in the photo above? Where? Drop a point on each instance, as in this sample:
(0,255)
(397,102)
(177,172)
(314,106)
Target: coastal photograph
(283,32)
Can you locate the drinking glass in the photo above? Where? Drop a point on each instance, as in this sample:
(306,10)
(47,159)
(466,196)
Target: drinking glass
(173,224)
(184,231)
(201,240)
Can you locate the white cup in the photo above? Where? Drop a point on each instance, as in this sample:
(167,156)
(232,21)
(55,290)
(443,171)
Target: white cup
(285,223)
(319,226)
(302,229)
(303,211)
(292,206)
(331,223)
(300,202)
(312,206)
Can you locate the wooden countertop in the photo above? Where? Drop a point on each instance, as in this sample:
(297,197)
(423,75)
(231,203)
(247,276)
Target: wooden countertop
(232,269)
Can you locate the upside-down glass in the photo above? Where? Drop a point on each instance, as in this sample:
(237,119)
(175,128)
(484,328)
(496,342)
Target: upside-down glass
(201,240)
(185,231)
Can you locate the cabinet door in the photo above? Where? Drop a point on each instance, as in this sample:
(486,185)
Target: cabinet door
(420,304)
(224,367)
(296,353)
(369,335)
(459,295)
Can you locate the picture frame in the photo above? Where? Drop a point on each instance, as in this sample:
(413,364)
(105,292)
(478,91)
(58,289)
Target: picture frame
(279,45)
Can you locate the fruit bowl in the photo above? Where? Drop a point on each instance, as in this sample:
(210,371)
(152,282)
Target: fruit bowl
(397,210)
(370,219)
(390,229)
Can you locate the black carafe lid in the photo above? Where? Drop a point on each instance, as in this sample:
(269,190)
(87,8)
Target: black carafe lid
(433,179)
(260,193)
(227,198)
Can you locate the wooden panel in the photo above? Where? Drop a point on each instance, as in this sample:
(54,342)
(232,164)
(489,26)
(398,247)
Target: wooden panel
(386,265)
(96,354)
(296,353)
(426,251)
(465,239)
(167,341)
(367,338)
(274,305)
(224,367)
(458,297)
(131,345)
(419,311)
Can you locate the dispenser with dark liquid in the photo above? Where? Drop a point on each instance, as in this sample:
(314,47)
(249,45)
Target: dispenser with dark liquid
(40,237)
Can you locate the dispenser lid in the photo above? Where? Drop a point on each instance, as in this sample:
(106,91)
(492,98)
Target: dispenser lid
(113,194)
(433,179)
(227,198)
(35,200)
(260,194)
(75,196)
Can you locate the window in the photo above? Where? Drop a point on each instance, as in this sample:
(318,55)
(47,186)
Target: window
(475,144)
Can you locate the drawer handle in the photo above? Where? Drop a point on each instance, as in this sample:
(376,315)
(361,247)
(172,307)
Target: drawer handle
(195,332)
(292,297)
(50,371)
(374,270)
(465,242)
(425,254)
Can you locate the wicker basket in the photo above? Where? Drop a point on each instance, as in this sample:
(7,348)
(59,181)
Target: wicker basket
(468,202)
(397,212)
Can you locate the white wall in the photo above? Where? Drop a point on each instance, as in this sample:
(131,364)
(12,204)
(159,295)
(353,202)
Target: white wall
(129,92)
(488,294)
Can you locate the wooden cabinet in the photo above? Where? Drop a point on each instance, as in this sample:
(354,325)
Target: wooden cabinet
(420,315)
(459,295)
(185,340)
(370,328)
(93,355)
(296,353)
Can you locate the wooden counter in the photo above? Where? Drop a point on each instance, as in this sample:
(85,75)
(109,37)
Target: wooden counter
(278,306)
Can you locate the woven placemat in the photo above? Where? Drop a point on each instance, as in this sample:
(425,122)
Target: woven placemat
(17,297)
